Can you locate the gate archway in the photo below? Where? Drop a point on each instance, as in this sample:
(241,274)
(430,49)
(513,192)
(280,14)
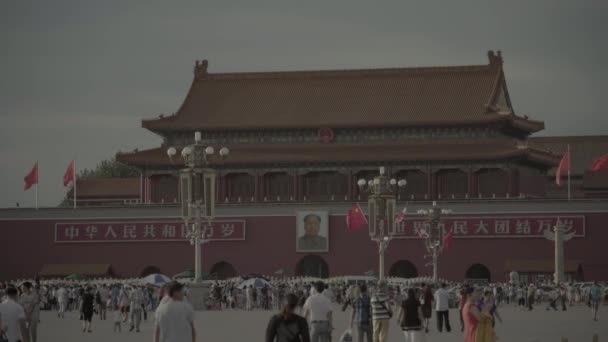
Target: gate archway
(403,269)
(312,266)
(478,271)
(223,270)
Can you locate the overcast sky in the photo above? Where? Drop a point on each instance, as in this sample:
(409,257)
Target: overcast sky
(76,77)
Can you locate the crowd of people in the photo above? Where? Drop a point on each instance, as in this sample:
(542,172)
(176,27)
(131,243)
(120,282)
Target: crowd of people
(307,307)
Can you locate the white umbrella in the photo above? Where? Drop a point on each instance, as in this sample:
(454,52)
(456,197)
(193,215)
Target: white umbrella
(156,279)
(255,282)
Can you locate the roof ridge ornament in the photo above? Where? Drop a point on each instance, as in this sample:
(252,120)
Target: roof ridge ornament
(495,59)
(200,69)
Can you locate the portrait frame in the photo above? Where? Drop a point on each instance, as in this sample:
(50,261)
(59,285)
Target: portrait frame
(305,245)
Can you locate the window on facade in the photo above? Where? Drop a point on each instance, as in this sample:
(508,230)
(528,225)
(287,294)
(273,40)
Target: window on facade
(240,185)
(325,185)
(417,185)
(164,189)
(452,182)
(277,186)
(492,182)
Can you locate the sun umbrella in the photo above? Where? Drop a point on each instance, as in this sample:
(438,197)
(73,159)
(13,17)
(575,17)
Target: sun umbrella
(156,279)
(75,276)
(185,274)
(255,282)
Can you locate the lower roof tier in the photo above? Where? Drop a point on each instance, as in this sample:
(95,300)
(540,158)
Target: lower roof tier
(307,154)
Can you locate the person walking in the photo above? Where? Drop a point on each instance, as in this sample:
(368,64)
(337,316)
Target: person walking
(595,296)
(288,326)
(136,305)
(381,313)
(62,301)
(31,305)
(318,311)
(12,318)
(361,316)
(174,318)
(426,299)
(463,299)
(442,311)
(471,315)
(104,294)
(86,309)
(410,318)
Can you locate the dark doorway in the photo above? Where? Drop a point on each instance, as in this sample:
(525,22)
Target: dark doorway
(478,272)
(223,270)
(312,266)
(403,269)
(149,270)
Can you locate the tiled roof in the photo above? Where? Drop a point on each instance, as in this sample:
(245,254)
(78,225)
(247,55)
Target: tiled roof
(107,188)
(539,265)
(298,154)
(344,98)
(62,270)
(583,149)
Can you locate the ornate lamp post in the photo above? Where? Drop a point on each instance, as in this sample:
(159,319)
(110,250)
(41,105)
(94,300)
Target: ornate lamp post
(434,237)
(559,236)
(381,201)
(197,193)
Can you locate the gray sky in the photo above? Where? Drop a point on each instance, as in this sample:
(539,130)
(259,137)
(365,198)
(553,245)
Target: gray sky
(78,76)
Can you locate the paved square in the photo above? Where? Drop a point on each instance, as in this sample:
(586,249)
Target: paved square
(541,325)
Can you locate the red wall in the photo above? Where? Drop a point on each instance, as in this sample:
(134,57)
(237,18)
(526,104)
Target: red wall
(270,245)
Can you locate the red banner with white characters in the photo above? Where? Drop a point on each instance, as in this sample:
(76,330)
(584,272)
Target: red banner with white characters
(493,227)
(148,231)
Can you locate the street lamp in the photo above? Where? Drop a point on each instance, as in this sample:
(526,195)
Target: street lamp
(381,201)
(434,234)
(197,192)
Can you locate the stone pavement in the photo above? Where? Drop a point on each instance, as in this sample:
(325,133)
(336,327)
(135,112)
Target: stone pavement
(220,326)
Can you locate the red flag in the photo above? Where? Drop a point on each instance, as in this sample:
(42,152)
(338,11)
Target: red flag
(355,219)
(69,174)
(31,178)
(447,241)
(564,165)
(400,216)
(600,163)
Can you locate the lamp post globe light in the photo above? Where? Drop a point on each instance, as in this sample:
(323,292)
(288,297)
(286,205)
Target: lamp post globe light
(434,235)
(197,196)
(381,201)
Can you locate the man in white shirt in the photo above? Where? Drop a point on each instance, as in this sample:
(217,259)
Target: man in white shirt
(318,312)
(31,305)
(62,301)
(12,318)
(137,301)
(442,308)
(174,320)
(104,294)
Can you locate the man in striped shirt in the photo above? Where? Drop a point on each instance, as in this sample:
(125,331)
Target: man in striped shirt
(381,313)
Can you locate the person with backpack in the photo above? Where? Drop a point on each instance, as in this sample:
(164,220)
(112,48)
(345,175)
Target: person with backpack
(288,326)
(360,318)
(381,313)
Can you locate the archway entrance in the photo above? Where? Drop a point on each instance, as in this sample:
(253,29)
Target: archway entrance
(478,272)
(403,269)
(149,270)
(312,266)
(223,270)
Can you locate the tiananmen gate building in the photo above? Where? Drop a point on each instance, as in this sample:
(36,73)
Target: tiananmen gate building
(299,142)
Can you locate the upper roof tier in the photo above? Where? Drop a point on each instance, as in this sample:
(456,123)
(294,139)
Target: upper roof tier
(454,95)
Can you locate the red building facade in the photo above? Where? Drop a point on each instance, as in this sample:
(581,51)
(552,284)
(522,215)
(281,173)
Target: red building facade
(299,141)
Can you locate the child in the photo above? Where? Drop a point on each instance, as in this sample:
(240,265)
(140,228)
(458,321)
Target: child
(117,319)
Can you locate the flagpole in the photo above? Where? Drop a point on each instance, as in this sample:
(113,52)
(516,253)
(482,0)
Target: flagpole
(37,181)
(74,178)
(569,167)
